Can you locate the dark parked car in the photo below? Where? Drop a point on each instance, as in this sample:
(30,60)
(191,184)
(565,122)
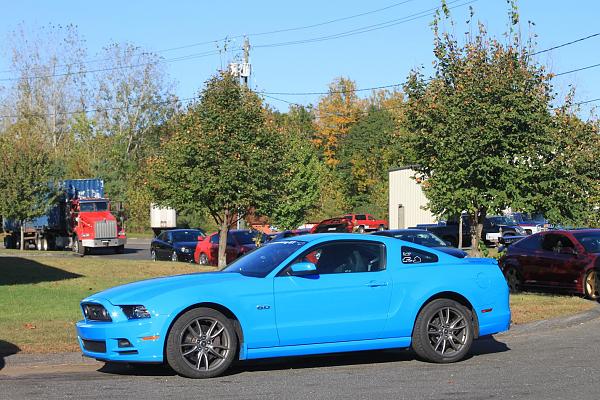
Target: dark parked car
(566,260)
(288,234)
(424,238)
(493,228)
(175,245)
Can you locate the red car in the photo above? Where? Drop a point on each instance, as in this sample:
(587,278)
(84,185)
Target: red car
(565,260)
(366,222)
(333,225)
(239,242)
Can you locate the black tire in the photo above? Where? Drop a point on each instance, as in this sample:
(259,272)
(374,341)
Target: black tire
(443,332)
(590,285)
(513,280)
(153,255)
(120,249)
(174,256)
(192,354)
(381,228)
(361,229)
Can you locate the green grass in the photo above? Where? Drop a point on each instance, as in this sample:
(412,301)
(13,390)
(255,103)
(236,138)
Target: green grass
(39,296)
(528,307)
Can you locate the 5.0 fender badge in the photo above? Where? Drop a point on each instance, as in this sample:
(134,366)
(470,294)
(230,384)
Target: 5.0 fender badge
(263,307)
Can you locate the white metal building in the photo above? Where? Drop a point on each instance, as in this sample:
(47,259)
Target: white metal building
(406,200)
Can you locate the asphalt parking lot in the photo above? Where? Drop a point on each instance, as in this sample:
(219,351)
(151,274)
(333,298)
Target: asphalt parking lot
(537,361)
(135,249)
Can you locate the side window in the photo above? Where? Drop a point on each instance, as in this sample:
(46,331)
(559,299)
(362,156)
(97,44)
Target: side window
(162,236)
(361,217)
(530,243)
(230,240)
(214,239)
(411,255)
(346,257)
(555,243)
(370,218)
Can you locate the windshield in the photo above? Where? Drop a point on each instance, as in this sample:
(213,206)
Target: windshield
(260,262)
(589,240)
(90,206)
(423,238)
(503,220)
(187,236)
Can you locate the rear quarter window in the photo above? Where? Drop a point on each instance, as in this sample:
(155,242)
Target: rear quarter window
(529,243)
(410,255)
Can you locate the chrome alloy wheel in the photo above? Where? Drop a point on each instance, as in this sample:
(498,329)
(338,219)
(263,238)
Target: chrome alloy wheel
(591,291)
(447,331)
(205,344)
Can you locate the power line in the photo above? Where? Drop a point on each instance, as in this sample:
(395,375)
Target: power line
(566,44)
(368,28)
(182,58)
(577,70)
(352,32)
(215,41)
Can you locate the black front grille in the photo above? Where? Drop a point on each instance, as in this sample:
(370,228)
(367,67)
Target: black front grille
(95,346)
(95,312)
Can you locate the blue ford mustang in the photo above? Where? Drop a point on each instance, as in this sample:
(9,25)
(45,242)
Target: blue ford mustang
(321,293)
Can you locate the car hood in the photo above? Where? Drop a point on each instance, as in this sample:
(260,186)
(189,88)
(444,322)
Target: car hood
(144,291)
(453,251)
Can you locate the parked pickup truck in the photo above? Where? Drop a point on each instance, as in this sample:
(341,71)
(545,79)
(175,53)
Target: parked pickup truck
(493,228)
(366,222)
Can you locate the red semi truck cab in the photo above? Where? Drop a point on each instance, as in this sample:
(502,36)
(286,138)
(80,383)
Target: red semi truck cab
(93,225)
(366,222)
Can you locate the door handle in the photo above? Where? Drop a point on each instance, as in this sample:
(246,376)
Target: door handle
(376,284)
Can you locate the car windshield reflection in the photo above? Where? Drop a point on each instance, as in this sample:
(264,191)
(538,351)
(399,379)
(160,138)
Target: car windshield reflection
(261,261)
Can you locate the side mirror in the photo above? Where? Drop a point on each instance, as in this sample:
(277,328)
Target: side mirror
(303,268)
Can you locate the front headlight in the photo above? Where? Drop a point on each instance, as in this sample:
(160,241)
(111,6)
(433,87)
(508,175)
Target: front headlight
(135,312)
(186,250)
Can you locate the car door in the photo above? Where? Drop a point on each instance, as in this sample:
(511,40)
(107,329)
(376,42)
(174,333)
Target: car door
(348,298)
(161,246)
(544,268)
(214,247)
(567,265)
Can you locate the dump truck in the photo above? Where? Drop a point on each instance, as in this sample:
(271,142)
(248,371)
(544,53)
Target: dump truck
(79,219)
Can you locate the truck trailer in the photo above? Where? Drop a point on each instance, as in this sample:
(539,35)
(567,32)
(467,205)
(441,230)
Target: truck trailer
(80,219)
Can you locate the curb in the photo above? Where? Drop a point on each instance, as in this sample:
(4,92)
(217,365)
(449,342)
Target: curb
(554,323)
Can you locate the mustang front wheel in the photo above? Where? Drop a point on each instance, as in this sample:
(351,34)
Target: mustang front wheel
(202,344)
(443,332)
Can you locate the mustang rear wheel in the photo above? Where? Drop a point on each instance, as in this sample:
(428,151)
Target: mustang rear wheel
(590,285)
(443,332)
(202,344)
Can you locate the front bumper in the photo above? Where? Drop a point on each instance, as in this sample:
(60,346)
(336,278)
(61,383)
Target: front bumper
(100,340)
(115,242)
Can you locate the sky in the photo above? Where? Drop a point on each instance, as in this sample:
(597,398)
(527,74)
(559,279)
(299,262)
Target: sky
(377,57)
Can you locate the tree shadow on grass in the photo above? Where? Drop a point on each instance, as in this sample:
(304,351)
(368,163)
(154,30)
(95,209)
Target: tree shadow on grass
(7,349)
(21,271)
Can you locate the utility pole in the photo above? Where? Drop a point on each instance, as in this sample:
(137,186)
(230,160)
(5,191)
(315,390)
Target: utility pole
(246,70)
(242,71)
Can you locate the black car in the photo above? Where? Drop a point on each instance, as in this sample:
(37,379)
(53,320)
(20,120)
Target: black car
(175,245)
(424,238)
(288,234)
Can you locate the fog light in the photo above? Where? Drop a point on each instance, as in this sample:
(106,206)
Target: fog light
(124,343)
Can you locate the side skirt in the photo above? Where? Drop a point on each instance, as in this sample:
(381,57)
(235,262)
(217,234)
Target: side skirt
(322,348)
